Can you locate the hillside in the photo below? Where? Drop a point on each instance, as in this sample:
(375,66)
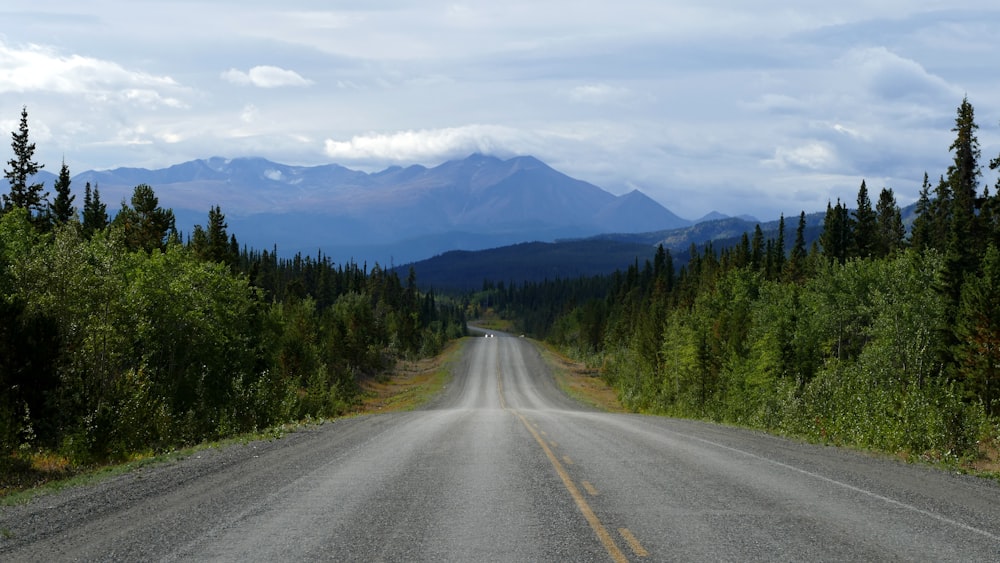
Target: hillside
(396,215)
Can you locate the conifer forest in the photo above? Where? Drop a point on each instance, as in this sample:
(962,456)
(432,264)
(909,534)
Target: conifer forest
(120,336)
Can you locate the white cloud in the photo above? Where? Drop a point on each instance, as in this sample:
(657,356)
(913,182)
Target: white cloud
(265,76)
(430,144)
(813,155)
(36,68)
(891,77)
(597,93)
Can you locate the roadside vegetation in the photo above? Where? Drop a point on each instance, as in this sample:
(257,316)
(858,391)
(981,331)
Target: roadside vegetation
(876,336)
(121,338)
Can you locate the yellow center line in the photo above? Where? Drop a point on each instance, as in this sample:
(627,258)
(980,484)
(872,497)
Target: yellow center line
(503,403)
(581,503)
(567,460)
(633,543)
(595,523)
(591,490)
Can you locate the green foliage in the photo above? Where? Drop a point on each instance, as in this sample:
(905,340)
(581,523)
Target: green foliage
(145,224)
(95,212)
(62,206)
(25,195)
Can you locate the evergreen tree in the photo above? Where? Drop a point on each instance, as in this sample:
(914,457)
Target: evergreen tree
(757,248)
(891,232)
(145,223)
(796,269)
(965,244)
(22,169)
(920,233)
(95,212)
(865,225)
(62,205)
(837,233)
(779,247)
(978,333)
(941,213)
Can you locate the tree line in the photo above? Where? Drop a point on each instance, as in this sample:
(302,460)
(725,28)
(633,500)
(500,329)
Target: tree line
(871,336)
(120,336)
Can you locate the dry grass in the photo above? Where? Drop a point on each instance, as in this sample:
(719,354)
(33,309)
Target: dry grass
(412,384)
(26,470)
(582,383)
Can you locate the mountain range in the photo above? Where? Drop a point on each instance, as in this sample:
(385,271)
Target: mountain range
(394,216)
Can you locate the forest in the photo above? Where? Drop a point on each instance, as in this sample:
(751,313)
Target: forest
(875,336)
(121,337)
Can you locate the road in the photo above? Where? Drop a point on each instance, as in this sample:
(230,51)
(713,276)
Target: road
(504,467)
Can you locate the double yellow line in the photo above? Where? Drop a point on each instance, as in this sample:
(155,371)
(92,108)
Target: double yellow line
(581,502)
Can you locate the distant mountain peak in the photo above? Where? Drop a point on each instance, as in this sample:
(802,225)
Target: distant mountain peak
(302,208)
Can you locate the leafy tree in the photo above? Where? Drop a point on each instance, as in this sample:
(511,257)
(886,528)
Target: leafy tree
(146,225)
(62,205)
(95,212)
(22,169)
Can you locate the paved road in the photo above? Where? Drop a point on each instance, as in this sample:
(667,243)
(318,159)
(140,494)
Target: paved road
(503,467)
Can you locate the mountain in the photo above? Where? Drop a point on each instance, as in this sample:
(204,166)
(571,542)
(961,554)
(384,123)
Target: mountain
(396,215)
(599,255)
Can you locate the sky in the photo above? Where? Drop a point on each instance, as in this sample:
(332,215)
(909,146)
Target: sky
(764,107)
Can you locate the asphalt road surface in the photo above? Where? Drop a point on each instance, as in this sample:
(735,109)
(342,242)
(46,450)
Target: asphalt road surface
(503,467)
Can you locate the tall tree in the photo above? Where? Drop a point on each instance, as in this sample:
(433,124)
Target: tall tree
(978,332)
(95,212)
(22,169)
(757,248)
(920,234)
(891,232)
(145,223)
(62,205)
(796,268)
(837,233)
(865,225)
(965,245)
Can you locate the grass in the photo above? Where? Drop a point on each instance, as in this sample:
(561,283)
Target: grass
(29,474)
(412,384)
(580,382)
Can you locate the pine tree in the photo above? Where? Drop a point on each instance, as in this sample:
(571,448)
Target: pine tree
(779,246)
(62,205)
(757,249)
(145,223)
(95,213)
(22,169)
(796,269)
(865,225)
(920,233)
(837,233)
(891,233)
(965,244)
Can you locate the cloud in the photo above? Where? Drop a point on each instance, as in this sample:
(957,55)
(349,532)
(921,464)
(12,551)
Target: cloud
(597,93)
(891,77)
(430,144)
(813,155)
(36,68)
(265,76)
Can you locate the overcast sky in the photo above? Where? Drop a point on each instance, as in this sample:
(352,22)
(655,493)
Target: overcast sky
(742,107)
